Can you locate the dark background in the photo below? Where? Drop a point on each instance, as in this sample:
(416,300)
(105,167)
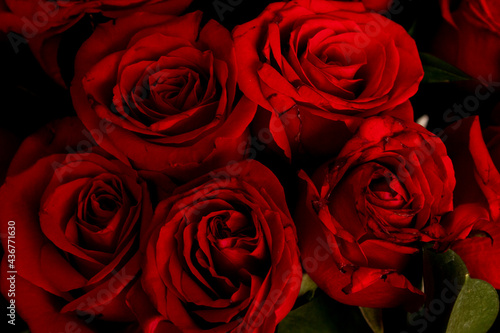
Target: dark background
(29,98)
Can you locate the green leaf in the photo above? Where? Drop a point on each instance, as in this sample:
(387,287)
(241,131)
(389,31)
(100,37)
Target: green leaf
(373,318)
(437,70)
(441,270)
(314,316)
(324,315)
(444,276)
(412,29)
(475,309)
(456,302)
(307,286)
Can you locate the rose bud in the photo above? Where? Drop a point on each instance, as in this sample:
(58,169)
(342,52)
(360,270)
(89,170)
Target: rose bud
(221,255)
(40,23)
(363,214)
(317,68)
(168,86)
(74,236)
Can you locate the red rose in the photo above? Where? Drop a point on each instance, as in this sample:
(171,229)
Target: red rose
(475,223)
(220,256)
(76,216)
(168,86)
(317,68)
(470,37)
(41,22)
(364,212)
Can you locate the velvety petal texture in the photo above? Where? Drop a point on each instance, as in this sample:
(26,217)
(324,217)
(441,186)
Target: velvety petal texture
(475,162)
(475,222)
(77,214)
(481,252)
(167,84)
(363,214)
(324,62)
(220,256)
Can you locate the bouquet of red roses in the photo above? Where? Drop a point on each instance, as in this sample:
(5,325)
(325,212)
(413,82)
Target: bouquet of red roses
(250,166)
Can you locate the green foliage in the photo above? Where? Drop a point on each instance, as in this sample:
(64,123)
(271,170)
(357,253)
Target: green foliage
(437,70)
(475,309)
(324,315)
